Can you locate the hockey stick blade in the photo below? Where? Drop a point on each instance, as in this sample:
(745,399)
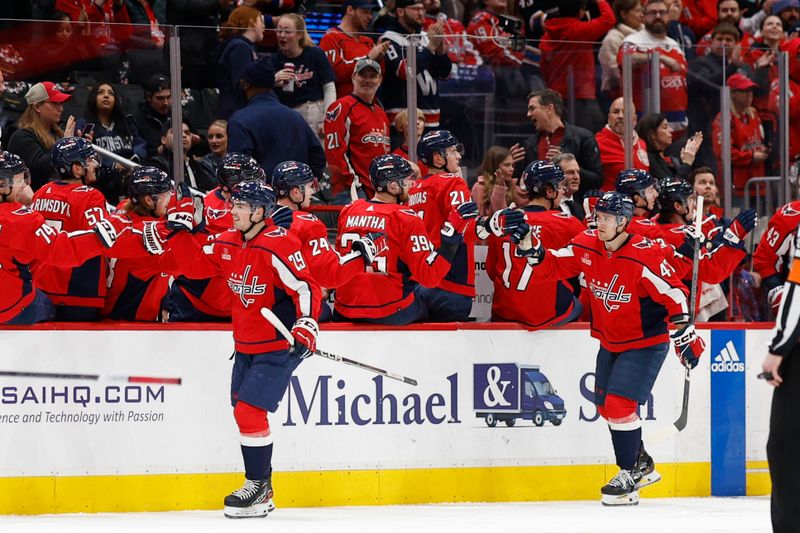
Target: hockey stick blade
(667,432)
(283,330)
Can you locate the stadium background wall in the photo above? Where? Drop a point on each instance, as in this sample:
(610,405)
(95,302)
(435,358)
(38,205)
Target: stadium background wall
(345,437)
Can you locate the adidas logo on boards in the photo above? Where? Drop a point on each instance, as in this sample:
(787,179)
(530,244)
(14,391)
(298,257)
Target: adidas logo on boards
(727,360)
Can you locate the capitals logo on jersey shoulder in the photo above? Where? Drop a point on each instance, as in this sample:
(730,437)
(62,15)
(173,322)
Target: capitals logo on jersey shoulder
(308,216)
(789,211)
(277,232)
(644,244)
(215,214)
(609,294)
(332,114)
(23,210)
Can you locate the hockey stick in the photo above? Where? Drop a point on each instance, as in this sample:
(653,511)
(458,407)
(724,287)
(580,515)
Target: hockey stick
(278,325)
(667,432)
(90,377)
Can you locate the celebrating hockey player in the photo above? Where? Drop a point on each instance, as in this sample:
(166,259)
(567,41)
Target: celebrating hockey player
(633,290)
(773,255)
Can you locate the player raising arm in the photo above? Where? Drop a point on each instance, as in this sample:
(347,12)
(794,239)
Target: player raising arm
(634,293)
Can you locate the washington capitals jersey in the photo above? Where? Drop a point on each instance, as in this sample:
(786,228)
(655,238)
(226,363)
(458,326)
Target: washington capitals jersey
(646,227)
(485,33)
(343,51)
(72,207)
(25,238)
(432,198)
(267,271)
(388,288)
(355,133)
(518,295)
(217,212)
(632,291)
(327,266)
(773,255)
(430,69)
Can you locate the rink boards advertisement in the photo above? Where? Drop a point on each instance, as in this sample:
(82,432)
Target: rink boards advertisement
(505,403)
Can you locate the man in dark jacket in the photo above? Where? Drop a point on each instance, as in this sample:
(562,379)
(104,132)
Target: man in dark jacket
(269,131)
(553,136)
(154,112)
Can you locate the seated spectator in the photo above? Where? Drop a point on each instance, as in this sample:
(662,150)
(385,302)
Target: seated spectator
(682,33)
(115,131)
(304,79)
(568,202)
(654,129)
(629,20)
(401,125)
(611,142)
(154,111)
(109,22)
(705,185)
(346,43)
(496,186)
(66,50)
(194,174)
(568,45)
(240,33)
(748,151)
(38,130)
(218,143)
(553,136)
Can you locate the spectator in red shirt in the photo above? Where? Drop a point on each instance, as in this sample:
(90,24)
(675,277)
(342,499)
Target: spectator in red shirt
(568,46)
(727,11)
(610,141)
(700,15)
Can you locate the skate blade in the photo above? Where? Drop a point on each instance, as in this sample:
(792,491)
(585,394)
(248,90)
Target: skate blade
(649,479)
(254,511)
(616,501)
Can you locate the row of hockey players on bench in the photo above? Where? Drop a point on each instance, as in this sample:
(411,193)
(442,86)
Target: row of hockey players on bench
(250,245)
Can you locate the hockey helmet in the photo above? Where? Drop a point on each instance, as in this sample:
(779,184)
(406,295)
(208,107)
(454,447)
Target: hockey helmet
(148,181)
(236,167)
(387,168)
(615,203)
(256,193)
(538,175)
(436,141)
(10,166)
(69,151)
(672,190)
(634,181)
(290,174)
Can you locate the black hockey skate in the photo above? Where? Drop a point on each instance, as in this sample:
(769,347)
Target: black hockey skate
(621,490)
(253,500)
(645,473)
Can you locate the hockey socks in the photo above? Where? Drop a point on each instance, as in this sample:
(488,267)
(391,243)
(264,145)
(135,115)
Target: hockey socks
(626,447)
(257,461)
(626,437)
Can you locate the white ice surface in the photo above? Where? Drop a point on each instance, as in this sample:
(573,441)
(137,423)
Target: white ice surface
(669,515)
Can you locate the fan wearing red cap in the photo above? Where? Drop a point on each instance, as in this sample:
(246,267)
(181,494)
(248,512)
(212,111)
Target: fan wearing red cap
(748,151)
(38,130)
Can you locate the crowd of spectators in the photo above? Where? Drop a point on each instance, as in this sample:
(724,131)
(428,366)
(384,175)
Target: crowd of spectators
(255,81)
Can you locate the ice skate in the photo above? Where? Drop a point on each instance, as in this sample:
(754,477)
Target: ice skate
(253,500)
(645,472)
(621,490)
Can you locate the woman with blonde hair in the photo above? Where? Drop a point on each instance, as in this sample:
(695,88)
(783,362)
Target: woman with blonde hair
(38,130)
(304,79)
(243,29)
(496,187)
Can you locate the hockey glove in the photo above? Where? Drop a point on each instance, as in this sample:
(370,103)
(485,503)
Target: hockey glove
(283,217)
(734,233)
(688,345)
(500,223)
(774,297)
(529,247)
(461,216)
(370,246)
(304,331)
(184,212)
(106,232)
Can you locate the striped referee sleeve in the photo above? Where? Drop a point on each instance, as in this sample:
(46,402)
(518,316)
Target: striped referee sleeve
(787,323)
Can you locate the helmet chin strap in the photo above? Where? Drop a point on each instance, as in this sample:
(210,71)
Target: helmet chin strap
(617,231)
(252,224)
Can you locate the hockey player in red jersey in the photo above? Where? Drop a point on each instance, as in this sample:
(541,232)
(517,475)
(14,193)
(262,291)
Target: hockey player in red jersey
(775,250)
(25,239)
(264,266)
(518,297)
(356,132)
(71,204)
(634,294)
(293,184)
(387,295)
(208,300)
(642,189)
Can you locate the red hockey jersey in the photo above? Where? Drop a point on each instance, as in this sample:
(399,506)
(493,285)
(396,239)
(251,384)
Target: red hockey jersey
(747,134)
(389,288)
(432,198)
(267,271)
(458,45)
(355,133)
(520,297)
(217,212)
(485,33)
(612,155)
(773,255)
(633,291)
(343,52)
(72,207)
(25,239)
